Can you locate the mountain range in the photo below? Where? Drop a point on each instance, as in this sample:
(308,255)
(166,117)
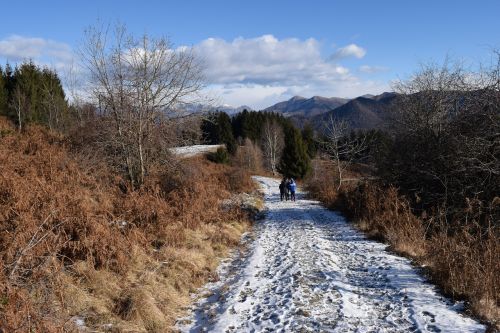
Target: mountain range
(191,108)
(364,112)
(299,106)
(361,112)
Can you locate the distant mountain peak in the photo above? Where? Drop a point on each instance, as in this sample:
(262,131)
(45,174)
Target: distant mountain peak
(306,107)
(191,108)
(297,98)
(364,112)
(243,107)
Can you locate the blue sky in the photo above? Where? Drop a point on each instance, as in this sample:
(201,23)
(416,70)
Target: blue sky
(261,52)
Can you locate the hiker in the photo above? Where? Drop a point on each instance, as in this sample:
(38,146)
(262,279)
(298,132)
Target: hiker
(282,189)
(292,187)
(287,189)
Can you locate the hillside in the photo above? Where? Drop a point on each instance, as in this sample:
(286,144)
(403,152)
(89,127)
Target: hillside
(72,235)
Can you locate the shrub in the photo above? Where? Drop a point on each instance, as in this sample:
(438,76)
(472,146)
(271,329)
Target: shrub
(221,156)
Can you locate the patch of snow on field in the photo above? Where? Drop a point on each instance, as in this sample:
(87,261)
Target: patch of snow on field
(189,151)
(308,270)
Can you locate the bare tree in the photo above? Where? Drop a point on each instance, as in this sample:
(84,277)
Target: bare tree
(53,102)
(249,156)
(138,82)
(447,133)
(427,100)
(19,103)
(273,142)
(73,85)
(340,146)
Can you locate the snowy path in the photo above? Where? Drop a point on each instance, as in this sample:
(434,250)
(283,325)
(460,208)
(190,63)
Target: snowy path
(309,271)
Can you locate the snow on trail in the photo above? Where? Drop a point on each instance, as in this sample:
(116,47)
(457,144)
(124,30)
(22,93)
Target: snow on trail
(308,270)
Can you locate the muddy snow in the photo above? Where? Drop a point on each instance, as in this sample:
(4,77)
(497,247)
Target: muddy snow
(307,270)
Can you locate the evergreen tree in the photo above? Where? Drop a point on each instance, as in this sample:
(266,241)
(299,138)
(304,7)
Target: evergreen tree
(9,79)
(240,124)
(217,129)
(308,138)
(295,161)
(249,124)
(3,93)
(209,128)
(34,95)
(27,79)
(225,132)
(54,106)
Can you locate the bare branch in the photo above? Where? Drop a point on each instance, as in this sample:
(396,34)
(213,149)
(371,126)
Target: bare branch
(137,82)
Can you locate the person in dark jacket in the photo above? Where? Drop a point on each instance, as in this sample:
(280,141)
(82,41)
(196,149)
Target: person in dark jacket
(287,189)
(282,189)
(292,187)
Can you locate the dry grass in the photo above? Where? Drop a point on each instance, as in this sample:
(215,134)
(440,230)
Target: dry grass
(74,245)
(463,258)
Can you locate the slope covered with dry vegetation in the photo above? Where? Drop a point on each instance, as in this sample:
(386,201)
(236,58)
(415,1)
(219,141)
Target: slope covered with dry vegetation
(78,247)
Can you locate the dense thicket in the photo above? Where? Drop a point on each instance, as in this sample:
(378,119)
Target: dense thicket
(444,147)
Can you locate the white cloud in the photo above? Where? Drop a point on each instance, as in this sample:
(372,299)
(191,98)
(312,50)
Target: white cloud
(260,96)
(351,50)
(268,61)
(264,70)
(253,71)
(372,69)
(42,51)
(255,96)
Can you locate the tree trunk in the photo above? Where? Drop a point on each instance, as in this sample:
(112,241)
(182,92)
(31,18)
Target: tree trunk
(141,161)
(339,168)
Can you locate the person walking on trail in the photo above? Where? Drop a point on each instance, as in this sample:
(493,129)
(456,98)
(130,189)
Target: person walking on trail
(282,189)
(287,189)
(292,187)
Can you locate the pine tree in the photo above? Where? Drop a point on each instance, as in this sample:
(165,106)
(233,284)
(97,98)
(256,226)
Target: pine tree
(9,79)
(35,95)
(209,128)
(27,84)
(225,132)
(295,161)
(54,106)
(3,93)
(308,137)
(217,129)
